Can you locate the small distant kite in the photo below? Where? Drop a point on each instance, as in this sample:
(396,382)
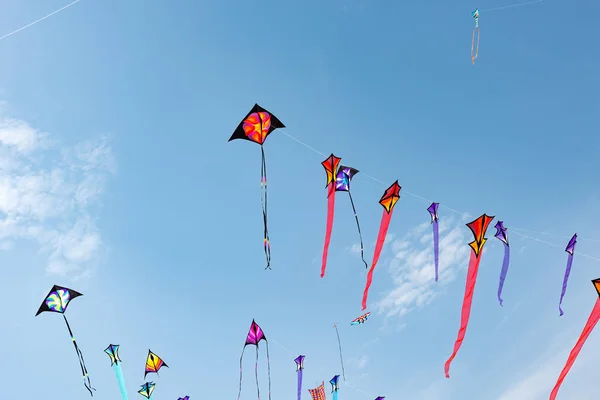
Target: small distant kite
(433,211)
(380,398)
(147,390)
(503,237)
(255,127)
(153,363)
(57,300)
(113,352)
(571,250)
(587,329)
(478,227)
(318,393)
(338,180)
(254,337)
(388,201)
(184,398)
(476,29)
(299,368)
(335,386)
(361,320)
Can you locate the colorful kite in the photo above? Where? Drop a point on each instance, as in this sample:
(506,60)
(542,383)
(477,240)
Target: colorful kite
(147,390)
(433,211)
(57,300)
(153,363)
(571,250)
(254,337)
(318,393)
(388,201)
(335,386)
(478,228)
(255,127)
(340,348)
(380,398)
(113,352)
(475,14)
(587,329)
(502,236)
(338,180)
(360,320)
(299,368)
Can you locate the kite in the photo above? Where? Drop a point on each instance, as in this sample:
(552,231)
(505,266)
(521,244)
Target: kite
(475,14)
(502,236)
(388,201)
(113,352)
(255,127)
(254,337)
(147,390)
(184,398)
(360,320)
(587,329)
(299,367)
(478,227)
(338,180)
(57,300)
(433,211)
(571,250)
(340,348)
(380,398)
(153,363)
(318,393)
(335,386)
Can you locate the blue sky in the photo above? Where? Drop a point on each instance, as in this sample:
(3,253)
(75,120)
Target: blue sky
(116,179)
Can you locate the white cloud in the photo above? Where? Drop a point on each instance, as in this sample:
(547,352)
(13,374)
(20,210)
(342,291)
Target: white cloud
(46,194)
(412,267)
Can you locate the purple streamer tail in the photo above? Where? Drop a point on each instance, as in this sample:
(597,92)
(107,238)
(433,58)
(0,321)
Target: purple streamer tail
(436,247)
(565,281)
(299,384)
(503,272)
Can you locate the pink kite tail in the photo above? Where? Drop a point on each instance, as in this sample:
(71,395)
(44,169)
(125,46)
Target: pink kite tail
(330,209)
(383,228)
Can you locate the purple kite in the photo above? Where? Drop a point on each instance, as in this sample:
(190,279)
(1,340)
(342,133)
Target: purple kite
(433,211)
(502,235)
(380,398)
(571,250)
(184,398)
(299,367)
(255,335)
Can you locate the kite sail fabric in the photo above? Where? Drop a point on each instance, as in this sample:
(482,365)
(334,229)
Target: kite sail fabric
(184,398)
(113,352)
(478,227)
(340,349)
(587,329)
(475,49)
(388,201)
(331,165)
(380,398)
(153,363)
(57,300)
(503,237)
(433,211)
(318,393)
(299,367)
(335,386)
(256,126)
(571,250)
(147,390)
(254,337)
(360,320)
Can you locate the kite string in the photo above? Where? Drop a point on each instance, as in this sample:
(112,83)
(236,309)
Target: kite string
(511,6)
(515,231)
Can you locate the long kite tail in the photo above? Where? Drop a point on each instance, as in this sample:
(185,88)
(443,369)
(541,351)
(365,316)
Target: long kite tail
(330,211)
(121,380)
(268,368)
(86,378)
(340,348)
(263,200)
(241,358)
(299,384)
(335,395)
(362,247)
(589,326)
(504,271)
(256,373)
(565,282)
(436,247)
(383,228)
(466,308)
(476,49)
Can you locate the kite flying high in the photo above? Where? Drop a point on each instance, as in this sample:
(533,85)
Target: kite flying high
(254,337)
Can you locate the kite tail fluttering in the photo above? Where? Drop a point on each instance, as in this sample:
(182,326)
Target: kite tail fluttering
(388,201)
(340,349)
(362,247)
(256,374)
(503,237)
(571,250)
(331,166)
(263,190)
(113,352)
(86,378)
(254,337)
(476,32)
(587,329)
(433,211)
(299,368)
(478,227)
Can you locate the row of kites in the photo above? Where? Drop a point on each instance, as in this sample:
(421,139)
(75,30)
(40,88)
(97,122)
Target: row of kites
(259,123)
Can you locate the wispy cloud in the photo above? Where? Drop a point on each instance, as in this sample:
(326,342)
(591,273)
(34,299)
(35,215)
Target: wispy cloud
(47,194)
